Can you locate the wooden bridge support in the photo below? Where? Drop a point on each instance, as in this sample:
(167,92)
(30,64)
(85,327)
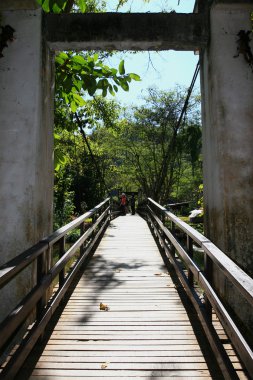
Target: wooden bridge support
(227,94)
(26,140)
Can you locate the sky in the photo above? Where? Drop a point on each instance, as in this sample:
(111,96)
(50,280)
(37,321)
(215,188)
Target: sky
(163,70)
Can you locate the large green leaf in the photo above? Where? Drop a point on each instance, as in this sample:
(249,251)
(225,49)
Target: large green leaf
(92,86)
(82,5)
(79,59)
(61,3)
(59,156)
(78,84)
(55,6)
(95,57)
(68,84)
(78,99)
(125,86)
(134,76)
(114,71)
(45,5)
(61,57)
(122,67)
(111,90)
(73,106)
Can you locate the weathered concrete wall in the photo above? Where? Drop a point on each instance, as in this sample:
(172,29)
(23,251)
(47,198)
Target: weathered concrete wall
(227,89)
(25,144)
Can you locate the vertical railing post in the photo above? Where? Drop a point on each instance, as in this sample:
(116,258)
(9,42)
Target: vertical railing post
(41,272)
(93,220)
(49,263)
(147,213)
(61,253)
(150,216)
(208,270)
(162,217)
(153,221)
(110,209)
(82,230)
(173,249)
(190,253)
(157,213)
(162,232)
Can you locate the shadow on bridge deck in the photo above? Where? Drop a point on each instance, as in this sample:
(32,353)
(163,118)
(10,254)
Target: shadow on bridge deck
(149,332)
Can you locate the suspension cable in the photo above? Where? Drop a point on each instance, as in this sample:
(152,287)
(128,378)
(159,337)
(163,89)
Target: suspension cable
(189,92)
(182,114)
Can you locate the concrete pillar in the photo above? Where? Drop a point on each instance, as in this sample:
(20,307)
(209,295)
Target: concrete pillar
(26,144)
(227,89)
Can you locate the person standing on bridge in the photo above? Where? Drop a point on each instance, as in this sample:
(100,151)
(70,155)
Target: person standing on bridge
(123,203)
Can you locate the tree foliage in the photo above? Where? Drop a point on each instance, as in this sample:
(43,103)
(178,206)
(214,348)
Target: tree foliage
(80,168)
(157,147)
(77,74)
(129,150)
(59,6)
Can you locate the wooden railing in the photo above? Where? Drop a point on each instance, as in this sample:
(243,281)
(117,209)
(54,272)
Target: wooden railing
(166,227)
(36,302)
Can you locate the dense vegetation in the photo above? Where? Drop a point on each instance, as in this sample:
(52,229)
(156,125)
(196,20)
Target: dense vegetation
(103,147)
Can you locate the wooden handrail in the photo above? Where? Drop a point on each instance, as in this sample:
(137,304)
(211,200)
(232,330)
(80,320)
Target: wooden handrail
(36,298)
(195,235)
(57,235)
(20,262)
(157,217)
(240,279)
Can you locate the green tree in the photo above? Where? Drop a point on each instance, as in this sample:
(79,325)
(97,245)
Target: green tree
(140,145)
(82,162)
(158,146)
(59,6)
(79,74)
(77,184)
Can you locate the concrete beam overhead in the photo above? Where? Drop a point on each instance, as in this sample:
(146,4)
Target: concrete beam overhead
(18,5)
(125,31)
(215,2)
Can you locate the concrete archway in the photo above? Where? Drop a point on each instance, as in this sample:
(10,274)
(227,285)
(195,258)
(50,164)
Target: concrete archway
(26,115)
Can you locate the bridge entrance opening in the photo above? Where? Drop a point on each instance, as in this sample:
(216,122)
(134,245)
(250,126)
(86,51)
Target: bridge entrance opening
(150,142)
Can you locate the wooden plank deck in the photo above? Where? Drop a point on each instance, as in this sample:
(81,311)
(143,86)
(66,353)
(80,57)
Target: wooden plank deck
(147,333)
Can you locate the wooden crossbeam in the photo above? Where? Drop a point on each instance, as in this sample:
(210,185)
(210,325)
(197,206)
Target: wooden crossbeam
(127,31)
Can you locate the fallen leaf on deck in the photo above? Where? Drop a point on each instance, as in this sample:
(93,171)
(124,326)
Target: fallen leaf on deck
(103,306)
(104,365)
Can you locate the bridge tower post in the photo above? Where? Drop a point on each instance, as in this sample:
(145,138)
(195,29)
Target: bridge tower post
(227,95)
(26,141)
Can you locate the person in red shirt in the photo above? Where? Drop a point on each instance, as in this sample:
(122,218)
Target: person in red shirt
(123,203)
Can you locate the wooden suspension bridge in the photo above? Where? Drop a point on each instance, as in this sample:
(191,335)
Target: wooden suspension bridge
(132,305)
